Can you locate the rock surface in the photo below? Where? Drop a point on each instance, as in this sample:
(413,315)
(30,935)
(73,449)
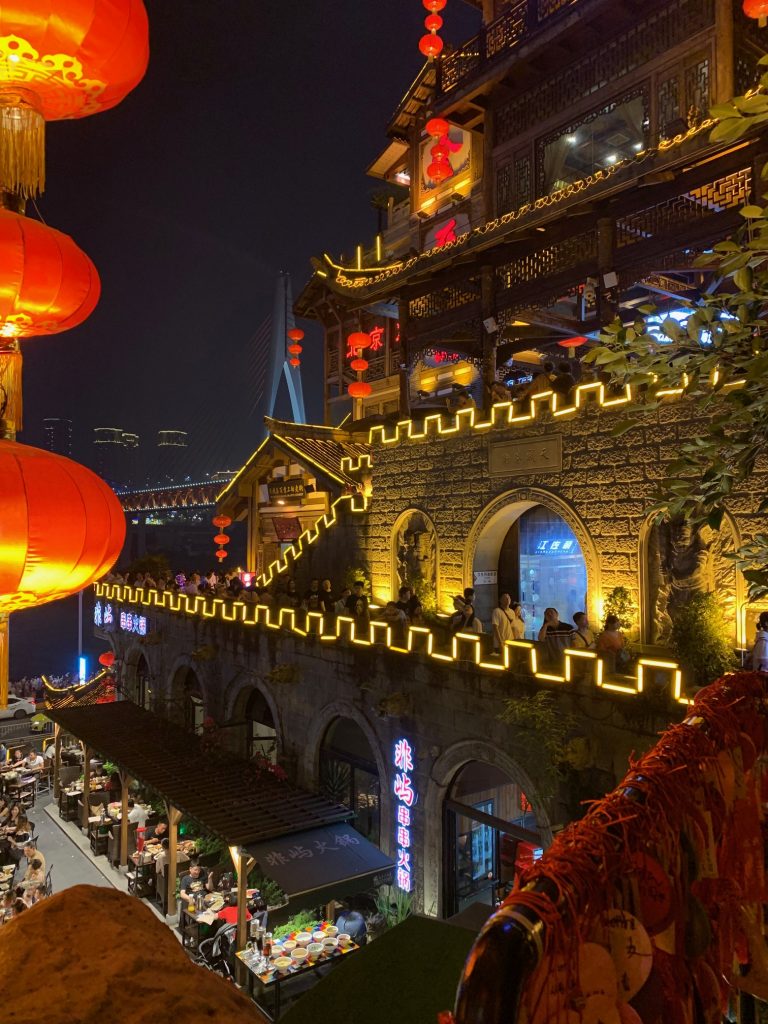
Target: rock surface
(90,955)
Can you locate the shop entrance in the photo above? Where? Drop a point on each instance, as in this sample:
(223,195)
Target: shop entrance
(490,833)
(541,565)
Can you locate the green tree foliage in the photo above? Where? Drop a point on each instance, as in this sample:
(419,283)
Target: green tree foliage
(718,356)
(701,639)
(541,736)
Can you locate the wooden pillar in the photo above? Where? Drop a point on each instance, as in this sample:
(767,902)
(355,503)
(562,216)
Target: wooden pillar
(405,404)
(125,782)
(86,787)
(56,760)
(243,865)
(4,661)
(725,84)
(174,817)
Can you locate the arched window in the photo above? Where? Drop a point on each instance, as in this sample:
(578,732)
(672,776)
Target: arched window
(541,565)
(260,734)
(490,833)
(348,774)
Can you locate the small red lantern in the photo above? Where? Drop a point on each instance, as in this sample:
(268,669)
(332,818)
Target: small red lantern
(437,127)
(439,171)
(221,521)
(221,554)
(431,46)
(107,659)
(295,350)
(296,334)
(358,340)
(294,361)
(221,538)
(359,365)
(435,5)
(433,23)
(757,9)
(359,389)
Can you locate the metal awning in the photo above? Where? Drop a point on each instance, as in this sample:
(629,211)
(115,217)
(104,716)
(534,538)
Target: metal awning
(336,858)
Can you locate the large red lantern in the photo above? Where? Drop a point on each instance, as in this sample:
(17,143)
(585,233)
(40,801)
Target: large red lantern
(757,9)
(431,45)
(294,361)
(47,284)
(295,350)
(62,59)
(435,5)
(433,23)
(358,340)
(437,127)
(439,171)
(359,389)
(296,334)
(62,527)
(221,521)
(107,659)
(359,365)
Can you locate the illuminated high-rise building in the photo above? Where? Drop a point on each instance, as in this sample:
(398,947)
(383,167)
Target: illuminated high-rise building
(58,435)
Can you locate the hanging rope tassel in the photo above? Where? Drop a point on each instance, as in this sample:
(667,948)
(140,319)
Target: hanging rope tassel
(22,143)
(10,389)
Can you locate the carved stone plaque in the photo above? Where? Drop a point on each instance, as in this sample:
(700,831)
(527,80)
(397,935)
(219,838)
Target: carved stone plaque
(528,455)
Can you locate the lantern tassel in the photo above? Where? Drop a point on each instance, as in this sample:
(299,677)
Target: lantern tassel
(22,144)
(10,391)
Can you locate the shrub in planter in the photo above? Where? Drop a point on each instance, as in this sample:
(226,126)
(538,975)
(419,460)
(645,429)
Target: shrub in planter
(701,639)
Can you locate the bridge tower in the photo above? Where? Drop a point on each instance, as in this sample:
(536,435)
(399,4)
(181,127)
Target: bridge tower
(282,321)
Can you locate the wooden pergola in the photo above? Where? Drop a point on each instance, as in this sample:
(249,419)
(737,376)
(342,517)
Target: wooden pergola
(238,802)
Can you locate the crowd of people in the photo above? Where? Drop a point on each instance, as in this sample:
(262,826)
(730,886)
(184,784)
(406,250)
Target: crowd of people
(18,847)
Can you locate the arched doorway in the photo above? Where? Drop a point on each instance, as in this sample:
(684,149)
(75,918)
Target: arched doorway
(541,565)
(490,833)
(260,729)
(531,544)
(187,700)
(348,774)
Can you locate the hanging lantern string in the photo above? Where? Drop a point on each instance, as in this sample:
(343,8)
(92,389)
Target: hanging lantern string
(431,45)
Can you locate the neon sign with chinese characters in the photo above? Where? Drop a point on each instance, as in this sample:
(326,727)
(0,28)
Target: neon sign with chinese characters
(103,616)
(132,623)
(406,797)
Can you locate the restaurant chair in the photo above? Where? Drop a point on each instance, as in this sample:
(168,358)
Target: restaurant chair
(44,780)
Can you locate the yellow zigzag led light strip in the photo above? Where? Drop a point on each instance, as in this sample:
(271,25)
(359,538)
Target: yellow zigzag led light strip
(465,646)
(504,414)
(73,689)
(378,274)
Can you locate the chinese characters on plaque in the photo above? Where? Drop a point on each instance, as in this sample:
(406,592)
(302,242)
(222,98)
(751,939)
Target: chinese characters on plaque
(406,798)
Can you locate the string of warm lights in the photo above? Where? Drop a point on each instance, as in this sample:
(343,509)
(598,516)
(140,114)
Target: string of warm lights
(517,655)
(375,275)
(518,413)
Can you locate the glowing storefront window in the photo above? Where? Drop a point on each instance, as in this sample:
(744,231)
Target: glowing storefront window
(552,569)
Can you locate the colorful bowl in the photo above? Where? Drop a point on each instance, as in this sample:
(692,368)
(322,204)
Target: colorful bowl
(304,938)
(288,946)
(282,964)
(316,936)
(314,949)
(332,931)
(299,955)
(344,939)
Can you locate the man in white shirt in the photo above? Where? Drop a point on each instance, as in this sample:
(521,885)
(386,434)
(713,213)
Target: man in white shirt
(34,762)
(137,814)
(502,621)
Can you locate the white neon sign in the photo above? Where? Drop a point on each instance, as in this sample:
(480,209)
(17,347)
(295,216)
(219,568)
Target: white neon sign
(406,798)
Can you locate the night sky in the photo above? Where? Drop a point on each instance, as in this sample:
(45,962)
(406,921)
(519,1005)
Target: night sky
(242,153)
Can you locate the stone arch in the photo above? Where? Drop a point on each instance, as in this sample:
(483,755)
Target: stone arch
(698,565)
(237,705)
(483,546)
(311,763)
(184,678)
(444,770)
(426,552)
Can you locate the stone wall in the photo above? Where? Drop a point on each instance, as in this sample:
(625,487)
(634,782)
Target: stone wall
(450,715)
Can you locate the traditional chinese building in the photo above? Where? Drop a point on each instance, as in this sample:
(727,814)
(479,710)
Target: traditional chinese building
(582,182)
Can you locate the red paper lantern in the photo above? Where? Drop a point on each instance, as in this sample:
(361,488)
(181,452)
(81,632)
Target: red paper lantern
(48,285)
(62,59)
(574,342)
(757,9)
(62,527)
(437,127)
(359,389)
(296,334)
(441,150)
(294,361)
(295,350)
(439,171)
(221,521)
(107,659)
(358,340)
(221,554)
(359,365)
(435,5)
(433,23)
(221,538)
(431,46)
